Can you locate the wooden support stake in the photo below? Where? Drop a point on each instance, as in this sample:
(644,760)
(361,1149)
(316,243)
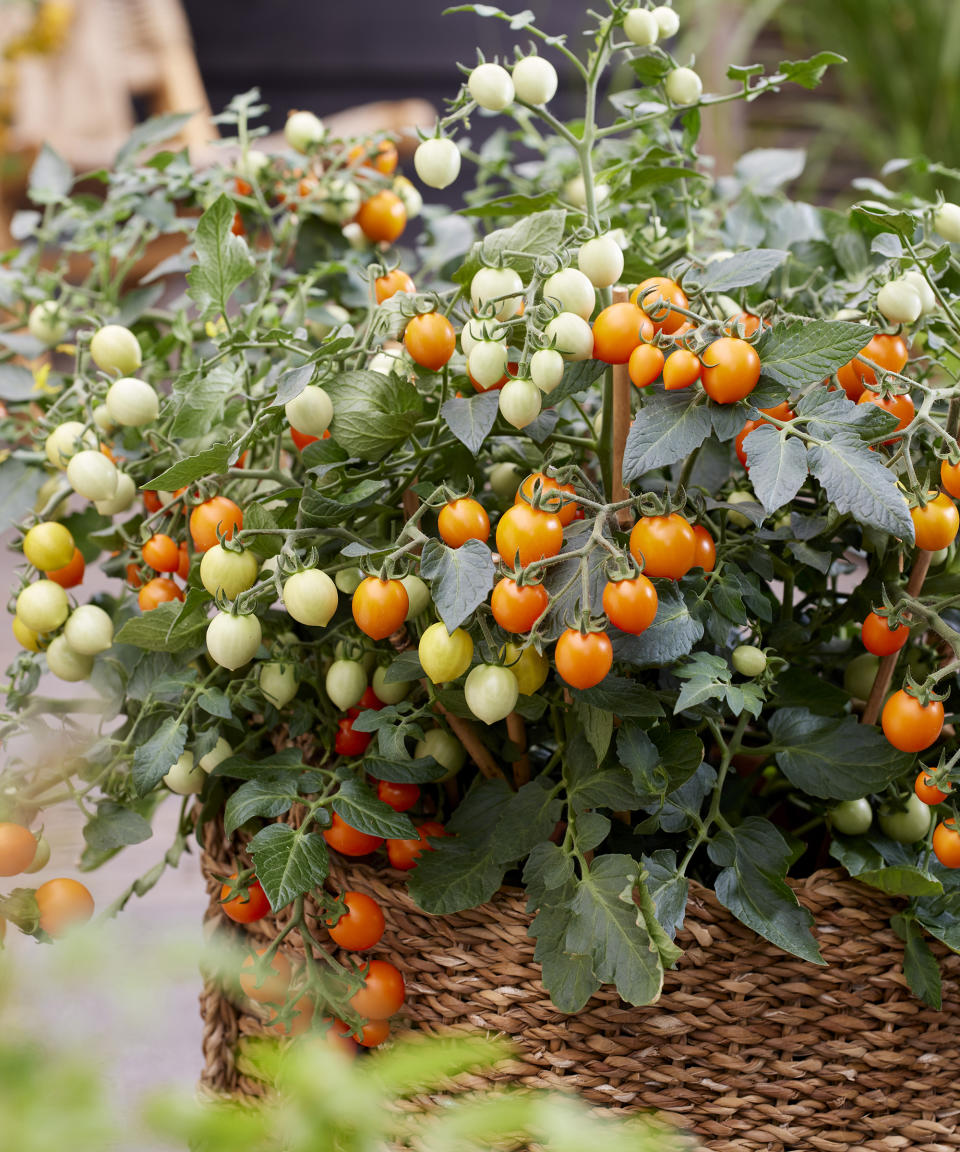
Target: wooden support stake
(881,684)
(477,750)
(517,731)
(621,423)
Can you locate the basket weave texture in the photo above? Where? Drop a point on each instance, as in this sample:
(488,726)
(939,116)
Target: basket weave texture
(750,1047)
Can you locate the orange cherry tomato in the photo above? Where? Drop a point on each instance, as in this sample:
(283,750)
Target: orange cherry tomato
(583,658)
(529,533)
(879,638)
(748,323)
(183,562)
(430,340)
(382,218)
(244,909)
(926,791)
(618,330)
(731,369)
(237,226)
(62,903)
(705,551)
(564,510)
(517,607)
(664,545)
(384,159)
(949,478)
(630,605)
(18,847)
(886,351)
(349,841)
(946,843)
(399,796)
(382,993)
(218,514)
(681,370)
(645,365)
(910,725)
(463,520)
(152,502)
(664,318)
(161,553)
(361,926)
(394,282)
(374,1033)
(71,574)
(935,525)
(268,987)
(781,412)
(403,854)
(159,590)
(380,607)
(299,1021)
(133,575)
(900,406)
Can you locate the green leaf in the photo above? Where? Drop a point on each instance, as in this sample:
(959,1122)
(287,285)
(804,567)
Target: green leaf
(288,862)
(372,413)
(754,858)
(19,485)
(671,635)
(153,759)
(152,131)
(668,427)
(597,725)
(920,966)
(531,237)
(742,270)
(778,465)
(199,401)
(591,786)
(836,759)
(359,806)
(50,177)
(568,976)
(707,677)
(667,887)
(856,481)
(210,462)
(809,73)
(16,384)
(547,867)
(268,795)
(471,419)
(223,260)
(866,864)
(114,827)
(578,376)
(419,771)
(622,696)
(157,630)
(317,509)
(802,353)
(243,767)
(460,578)
(659,761)
(527,819)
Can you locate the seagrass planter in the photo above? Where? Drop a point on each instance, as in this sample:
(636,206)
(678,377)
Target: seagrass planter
(751,1048)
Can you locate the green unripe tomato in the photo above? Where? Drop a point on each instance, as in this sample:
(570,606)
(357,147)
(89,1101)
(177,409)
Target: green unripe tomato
(184,778)
(278,682)
(345,650)
(89,630)
(346,682)
(445,748)
(859,675)
(47,322)
(304,131)
(852,817)
(738,518)
(749,660)
(491,692)
(908,824)
(505,479)
(116,349)
(418,595)
(217,754)
(42,606)
(391,692)
(348,580)
(66,664)
(228,571)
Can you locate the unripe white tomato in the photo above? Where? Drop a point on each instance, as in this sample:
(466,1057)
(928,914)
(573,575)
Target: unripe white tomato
(601,261)
(475,331)
(89,630)
(489,285)
(738,518)
(93,476)
(278,682)
(348,580)
(418,595)
(437,162)
(386,362)
(491,87)
(346,682)
(303,131)
(355,236)
(683,86)
(252,164)
(337,201)
(640,27)
(899,302)
(47,322)
(391,692)
(445,748)
(122,499)
(66,440)
(520,402)
(928,299)
(184,778)
(572,291)
(310,597)
(228,571)
(103,420)
(311,411)
(491,692)
(409,195)
(116,349)
(487,363)
(946,220)
(66,664)
(572,336)
(505,477)
(320,329)
(749,660)
(42,606)
(535,80)
(232,641)
(546,369)
(667,20)
(132,402)
(218,753)
(575,191)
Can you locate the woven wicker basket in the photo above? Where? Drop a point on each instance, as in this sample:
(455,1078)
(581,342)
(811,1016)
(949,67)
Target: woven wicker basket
(751,1048)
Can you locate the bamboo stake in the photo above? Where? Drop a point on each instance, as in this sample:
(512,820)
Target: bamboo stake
(517,731)
(621,423)
(467,735)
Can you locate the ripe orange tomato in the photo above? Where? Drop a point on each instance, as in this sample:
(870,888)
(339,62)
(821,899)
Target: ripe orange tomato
(565,510)
(382,218)
(298,1022)
(463,520)
(392,283)
(382,993)
(384,159)
(583,658)
(705,551)
(374,1033)
(237,226)
(949,478)
(133,575)
(430,340)
(159,590)
(781,412)
(889,352)
(347,840)
(302,439)
(681,370)
(935,525)
(900,406)
(664,545)
(664,318)
(361,926)
(946,843)
(62,903)
(152,502)
(273,985)
(517,607)
(926,791)
(380,607)
(748,323)
(630,605)
(879,638)
(183,562)
(218,514)
(910,725)
(399,796)
(71,574)
(244,909)
(162,553)
(645,365)
(529,533)
(403,854)
(731,369)
(618,330)
(18,846)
